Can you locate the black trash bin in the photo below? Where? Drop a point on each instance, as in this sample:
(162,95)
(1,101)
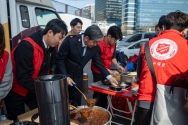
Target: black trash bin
(53,100)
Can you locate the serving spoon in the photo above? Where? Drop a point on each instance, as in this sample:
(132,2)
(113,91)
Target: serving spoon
(74,84)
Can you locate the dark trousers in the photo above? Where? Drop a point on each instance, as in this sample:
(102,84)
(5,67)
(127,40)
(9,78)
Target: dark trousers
(15,103)
(75,95)
(143,116)
(101,99)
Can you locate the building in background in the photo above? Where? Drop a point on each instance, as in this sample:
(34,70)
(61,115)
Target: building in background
(143,15)
(61,7)
(108,11)
(67,13)
(91,9)
(149,11)
(128,17)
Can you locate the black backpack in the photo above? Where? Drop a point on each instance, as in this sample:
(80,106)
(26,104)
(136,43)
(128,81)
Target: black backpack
(121,58)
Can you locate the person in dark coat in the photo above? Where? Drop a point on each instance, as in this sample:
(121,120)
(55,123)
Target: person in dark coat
(76,28)
(33,57)
(74,53)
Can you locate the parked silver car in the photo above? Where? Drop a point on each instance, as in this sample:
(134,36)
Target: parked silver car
(134,38)
(132,48)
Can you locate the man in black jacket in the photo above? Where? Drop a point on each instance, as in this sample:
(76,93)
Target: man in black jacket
(33,57)
(74,53)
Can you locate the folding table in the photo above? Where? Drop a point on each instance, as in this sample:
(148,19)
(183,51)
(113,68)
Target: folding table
(126,94)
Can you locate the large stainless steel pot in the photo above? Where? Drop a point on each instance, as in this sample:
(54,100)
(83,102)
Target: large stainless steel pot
(102,109)
(53,99)
(128,78)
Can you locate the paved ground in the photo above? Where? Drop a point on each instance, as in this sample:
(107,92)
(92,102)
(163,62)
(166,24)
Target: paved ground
(87,69)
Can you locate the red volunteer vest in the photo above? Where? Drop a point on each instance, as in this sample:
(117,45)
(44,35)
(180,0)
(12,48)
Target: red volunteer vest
(3,63)
(169,55)
(38,55)
(107,53)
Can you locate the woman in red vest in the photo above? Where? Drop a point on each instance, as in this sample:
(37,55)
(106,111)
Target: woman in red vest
(6,76)
(107,50)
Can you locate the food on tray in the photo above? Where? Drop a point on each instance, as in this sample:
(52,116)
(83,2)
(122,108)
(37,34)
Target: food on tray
(117,77)
(6,122)
(123,85)
(132,74)
(97,117)
(105,82)
(90,102)
(116,88)
(85,112)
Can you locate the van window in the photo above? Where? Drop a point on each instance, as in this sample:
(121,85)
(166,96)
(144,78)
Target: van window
(24,16)
(135,38)
(44,16)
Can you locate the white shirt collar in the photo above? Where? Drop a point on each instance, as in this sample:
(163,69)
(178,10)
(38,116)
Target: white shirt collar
(83,44)
(45,45)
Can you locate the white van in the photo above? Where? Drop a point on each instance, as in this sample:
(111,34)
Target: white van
(20,18)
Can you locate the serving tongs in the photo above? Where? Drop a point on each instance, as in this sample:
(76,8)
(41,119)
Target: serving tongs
(73,110)
(73,107)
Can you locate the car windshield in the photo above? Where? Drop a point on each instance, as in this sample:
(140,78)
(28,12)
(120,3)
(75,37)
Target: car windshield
(134,38)
(43,16)
(126,38)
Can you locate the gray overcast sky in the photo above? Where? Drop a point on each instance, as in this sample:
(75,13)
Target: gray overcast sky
(77,3)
